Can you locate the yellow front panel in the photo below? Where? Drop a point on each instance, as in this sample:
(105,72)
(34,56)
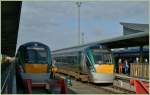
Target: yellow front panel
(105,68)
(36,68)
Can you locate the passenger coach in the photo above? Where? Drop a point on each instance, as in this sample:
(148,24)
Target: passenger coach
(91,63)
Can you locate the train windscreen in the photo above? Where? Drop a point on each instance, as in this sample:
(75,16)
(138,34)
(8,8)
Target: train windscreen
(36,56)
(102,57)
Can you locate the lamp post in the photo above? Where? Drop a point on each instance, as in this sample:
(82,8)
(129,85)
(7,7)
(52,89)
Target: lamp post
(79,34)
(82,40)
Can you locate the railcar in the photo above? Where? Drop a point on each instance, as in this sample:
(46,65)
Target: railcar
(92,63)
(34,61)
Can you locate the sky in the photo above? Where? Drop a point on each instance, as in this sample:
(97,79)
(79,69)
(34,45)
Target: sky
(56,23)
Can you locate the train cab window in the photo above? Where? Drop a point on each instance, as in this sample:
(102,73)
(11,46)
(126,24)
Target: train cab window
(102,57)
(42,56)
(37,56)
(30,57)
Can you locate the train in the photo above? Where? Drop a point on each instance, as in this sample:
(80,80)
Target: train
(91,63)
(34,62)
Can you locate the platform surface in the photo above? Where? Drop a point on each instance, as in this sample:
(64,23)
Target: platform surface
(126,77)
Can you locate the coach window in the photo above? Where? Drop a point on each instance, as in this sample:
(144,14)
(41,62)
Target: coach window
(60,59)
(63,59)
(70,60)
(67,59)
(74,59)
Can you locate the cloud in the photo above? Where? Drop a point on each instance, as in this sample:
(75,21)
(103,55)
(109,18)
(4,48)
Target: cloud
(115,10)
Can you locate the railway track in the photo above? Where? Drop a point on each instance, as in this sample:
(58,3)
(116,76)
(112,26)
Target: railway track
(90,88)
(124,90)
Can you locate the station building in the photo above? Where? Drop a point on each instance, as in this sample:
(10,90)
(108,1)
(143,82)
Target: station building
(133,28)
(130,28)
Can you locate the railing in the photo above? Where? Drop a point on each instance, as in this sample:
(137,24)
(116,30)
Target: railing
(8,84)
(140,70)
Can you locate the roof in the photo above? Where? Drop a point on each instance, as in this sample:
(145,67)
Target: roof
(33,44)
(77,48)
(136,50)
(136,39)
(135,26)
(132,40)
(10,23)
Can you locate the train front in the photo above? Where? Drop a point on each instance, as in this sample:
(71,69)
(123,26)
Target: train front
(34,62)
(101,65)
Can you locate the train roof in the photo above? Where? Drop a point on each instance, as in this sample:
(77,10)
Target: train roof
(33,44)
(78,48)
(136,50)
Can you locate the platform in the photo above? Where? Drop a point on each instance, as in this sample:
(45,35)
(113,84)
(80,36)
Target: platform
(128,78)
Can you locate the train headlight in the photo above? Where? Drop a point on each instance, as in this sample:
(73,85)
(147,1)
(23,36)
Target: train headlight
(54,69)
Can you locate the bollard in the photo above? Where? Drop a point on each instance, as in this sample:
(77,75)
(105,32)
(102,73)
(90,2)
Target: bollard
(28,86)
(58,86)
(63,86)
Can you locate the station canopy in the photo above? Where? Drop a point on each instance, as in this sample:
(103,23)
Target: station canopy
(134,35)
(10,16)
(132,40)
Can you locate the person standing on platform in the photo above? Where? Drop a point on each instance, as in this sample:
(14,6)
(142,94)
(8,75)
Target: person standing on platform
(125,66)
(54,69)
(145,60)
(120,66)
(137,60)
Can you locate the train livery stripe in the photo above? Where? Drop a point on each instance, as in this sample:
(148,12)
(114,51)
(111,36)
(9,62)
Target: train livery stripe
(104,68)
(36,68)
(90,58)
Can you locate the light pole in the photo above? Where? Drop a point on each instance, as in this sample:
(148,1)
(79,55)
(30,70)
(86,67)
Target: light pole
(79,34)
(82,40)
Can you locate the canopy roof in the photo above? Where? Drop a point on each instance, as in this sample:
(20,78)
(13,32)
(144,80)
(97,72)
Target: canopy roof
(10,23)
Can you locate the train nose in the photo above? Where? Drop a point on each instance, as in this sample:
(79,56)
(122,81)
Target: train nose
(102,78)
(104,68)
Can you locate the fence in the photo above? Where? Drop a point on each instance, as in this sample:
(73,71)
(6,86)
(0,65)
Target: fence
(140,70)
(8,78)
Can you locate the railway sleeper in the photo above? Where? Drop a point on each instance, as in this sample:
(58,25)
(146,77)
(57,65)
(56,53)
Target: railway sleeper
(112,90)
(76,75)
(124,89)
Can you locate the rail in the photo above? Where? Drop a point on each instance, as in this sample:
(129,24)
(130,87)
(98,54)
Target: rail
(8,81)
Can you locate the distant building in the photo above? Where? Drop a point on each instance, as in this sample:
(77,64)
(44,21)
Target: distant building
(130,28)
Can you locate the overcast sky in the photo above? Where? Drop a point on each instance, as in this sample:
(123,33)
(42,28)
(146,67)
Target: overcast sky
(56,23)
